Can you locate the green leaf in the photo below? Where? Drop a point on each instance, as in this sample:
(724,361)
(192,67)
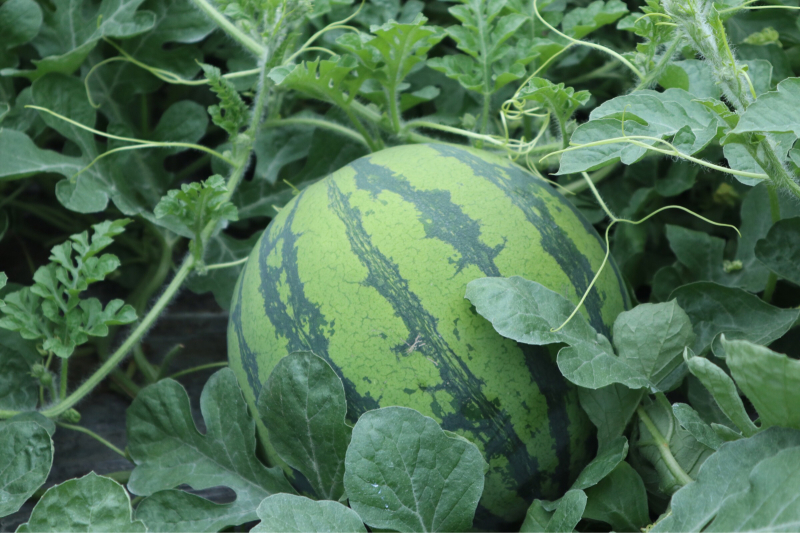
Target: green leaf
(296,514)
(610,409)
(560,100)
(693,76)
(536,519)
(568,514)
(222,248)
(25,462)
(20,21)
(329,80)
(52,311)
(688,453)
(303,406)
(691,422)
(723,389)
(18,389)
(22,158)
(620,500)
(581,21)
(771,381)
(775,111)
(194,206)
(609,456)
(648,113)
(528,312)
(169,451)
(70,31)
(780,249)
(714,309)
(438,487)
(594,365)
(90,503)
(651,338)
(731,483)
(393,52)
(276,148)
(486,64)
(232,114)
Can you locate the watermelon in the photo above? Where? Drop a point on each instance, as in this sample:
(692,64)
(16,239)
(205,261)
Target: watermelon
(368,268)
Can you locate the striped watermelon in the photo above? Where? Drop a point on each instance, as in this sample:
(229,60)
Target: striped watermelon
(368,268)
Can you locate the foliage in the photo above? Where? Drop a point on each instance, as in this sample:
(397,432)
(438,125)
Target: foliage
(189,123)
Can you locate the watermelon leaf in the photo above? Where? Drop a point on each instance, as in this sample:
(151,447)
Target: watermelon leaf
(169,451)
(296,514)
(780,249)
(610,409)
(774,111)
(748,485)
(690,420)
(770,380)
(303,406)
(25,462)
(90,503)
(563,519)
(18,388)
(619,499)
(714,309)
(403,472)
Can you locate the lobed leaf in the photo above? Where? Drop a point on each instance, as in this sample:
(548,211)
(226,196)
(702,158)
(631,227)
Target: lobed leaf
(25,462)
(779,250)
(169,451)
(619,500)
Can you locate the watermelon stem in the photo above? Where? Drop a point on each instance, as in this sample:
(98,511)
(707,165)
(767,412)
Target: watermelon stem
(663,448)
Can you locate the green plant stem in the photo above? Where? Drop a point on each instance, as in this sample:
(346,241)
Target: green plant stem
(170,355)
(663,448)
(394,108)
(124,382)
(144,365)
(95,436)
(62,392)
(655,73)
(217,266)
(595,177)
(775,212)
(228,27)
(318,123)
(373,117)
(197,369)
(16,192)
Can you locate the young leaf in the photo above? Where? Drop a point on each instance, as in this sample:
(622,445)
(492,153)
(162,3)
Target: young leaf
(232,113)
(732,480)
(691,422)
(487,64)
(329,80)
(392,53)
(651,338)
(560,100)
(780,249)
(594,366)
(619,499)
(569,512)
(536,519)
(90,503)
(25,462)
(714,309)
(194,206)
(52,311)
(296,514)
(303,406)
(723,389)
(774,111)
(610,455)
(169,451)
(438,487)
(770,380)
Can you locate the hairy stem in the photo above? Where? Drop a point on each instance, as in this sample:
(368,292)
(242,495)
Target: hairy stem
(62,392)
(230,28)
(775,212)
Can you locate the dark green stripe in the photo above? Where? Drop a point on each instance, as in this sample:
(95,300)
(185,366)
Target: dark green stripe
(248,358)
(300,322)
(440,217)
(521,189)
(470,409)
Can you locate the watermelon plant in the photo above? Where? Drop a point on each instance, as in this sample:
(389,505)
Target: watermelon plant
(485,264)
